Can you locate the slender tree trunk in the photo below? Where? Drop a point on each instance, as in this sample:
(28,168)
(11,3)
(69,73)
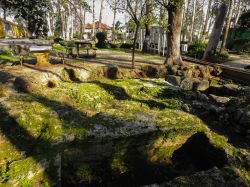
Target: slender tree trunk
(81,24)
(204,33)
(175,22)
(84,22)
(193,20)
(134,43)
(228,24)
(239,9)
(148,25)
(93,29)
(184,20)
(101,10)
(114,20)
(216,33)
(4,13)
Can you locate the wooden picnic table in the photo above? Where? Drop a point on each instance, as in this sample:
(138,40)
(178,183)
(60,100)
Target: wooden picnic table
(81,43)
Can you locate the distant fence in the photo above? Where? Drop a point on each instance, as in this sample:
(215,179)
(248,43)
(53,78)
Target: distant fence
(11,30)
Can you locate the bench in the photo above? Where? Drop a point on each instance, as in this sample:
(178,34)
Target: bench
(42,54)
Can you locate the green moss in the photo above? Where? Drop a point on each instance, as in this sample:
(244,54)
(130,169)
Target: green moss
(213,82)
(68,112)
(118,160)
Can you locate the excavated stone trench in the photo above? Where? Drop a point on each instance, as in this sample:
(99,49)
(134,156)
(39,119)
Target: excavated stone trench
(127,162)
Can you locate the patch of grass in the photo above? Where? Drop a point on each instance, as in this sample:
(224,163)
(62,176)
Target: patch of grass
(6,56)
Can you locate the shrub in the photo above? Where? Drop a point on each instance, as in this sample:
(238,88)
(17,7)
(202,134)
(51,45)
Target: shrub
(58,40)
(101,37)
(197,49)
(126,46)
(114,46)
(241,45)
(6,52)
(219,58)
(58,48)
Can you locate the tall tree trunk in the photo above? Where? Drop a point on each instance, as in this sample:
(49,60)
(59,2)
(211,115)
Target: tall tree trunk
(204,33)
(216,33)
(134,43)
(228,24)
(61,16)
(84,22)
(114,20)
(148,25)
(239,9)
(101,10)
(93,27)
(173,38)
(193,20)
(4,13)
(184,20)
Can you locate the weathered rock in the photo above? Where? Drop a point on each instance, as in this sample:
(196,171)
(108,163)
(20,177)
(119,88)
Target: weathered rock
(202,96)
(172,70)
(179,73)
(187,73)
(245,119)
(201,85)
(238,114)
(23,85)
(216,71)
(154,71)
(219,100)
(187,84)
(196,73)
(216,89)
(186,108)
(175,80)
(231,89)
(204,72)
(111,72)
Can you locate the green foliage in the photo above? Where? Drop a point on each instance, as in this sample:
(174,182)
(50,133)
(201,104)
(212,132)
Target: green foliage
(219,57)
(6,52)
(126,46)
(101,37)
(244,21)
(58,48)
(197,49)
(58,40)
(67,43)
(34,13)
(241,45)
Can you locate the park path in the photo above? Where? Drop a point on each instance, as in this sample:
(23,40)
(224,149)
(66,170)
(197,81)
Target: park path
(238,62)
(123,59)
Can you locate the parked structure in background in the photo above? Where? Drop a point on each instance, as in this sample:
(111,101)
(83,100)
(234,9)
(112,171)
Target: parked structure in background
(158,40)
(99,27)
(11,30)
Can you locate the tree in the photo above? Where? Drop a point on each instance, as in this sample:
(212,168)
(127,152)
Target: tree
(135,8)
(227,27)
(114,5)
(244,21)
(193,19)
(6,6)
(217,29)
(33,12)
(148,24)
(207,19)
(175,11)
(93,12)
(101,10)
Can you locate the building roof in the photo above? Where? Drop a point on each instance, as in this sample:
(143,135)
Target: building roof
(98,25)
